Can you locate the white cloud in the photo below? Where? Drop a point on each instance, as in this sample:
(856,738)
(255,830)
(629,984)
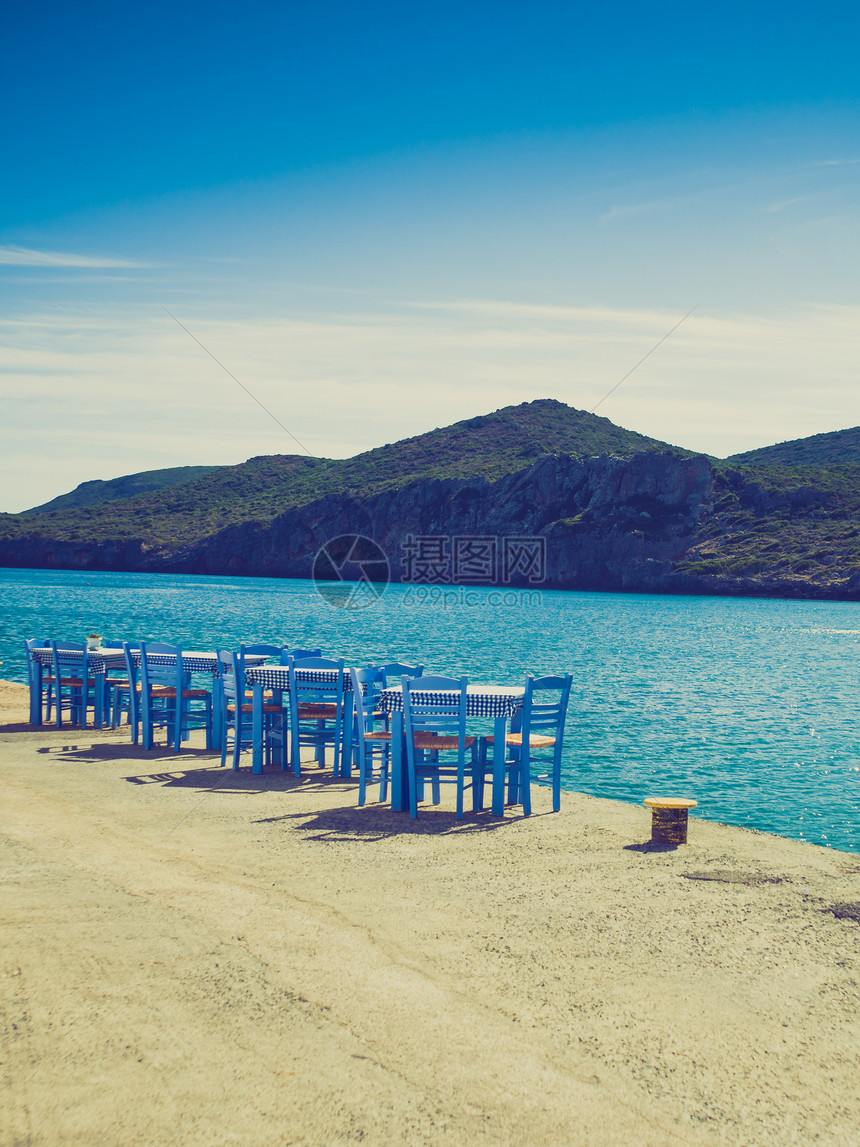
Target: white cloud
(26,257)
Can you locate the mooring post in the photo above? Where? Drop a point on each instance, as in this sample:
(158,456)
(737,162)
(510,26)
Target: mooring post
(669,819)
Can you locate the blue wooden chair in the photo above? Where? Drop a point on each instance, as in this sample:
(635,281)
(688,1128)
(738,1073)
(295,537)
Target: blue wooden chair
(434,718)
(316,712)
(76,688)
(40,680)
(167,701)
(536,743)
(367,737)
(236,711)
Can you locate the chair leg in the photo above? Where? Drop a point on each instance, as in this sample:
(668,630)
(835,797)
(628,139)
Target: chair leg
(525,779)
(224,729)
(384,773)
(477,787)
(556,780)
(208,722)
(363,754)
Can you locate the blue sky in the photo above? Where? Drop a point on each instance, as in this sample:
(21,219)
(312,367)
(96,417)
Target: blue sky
(386,217)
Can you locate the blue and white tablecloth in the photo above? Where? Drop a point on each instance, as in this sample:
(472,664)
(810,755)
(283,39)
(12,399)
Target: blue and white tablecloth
(278,677)
(193,661)
(98,660)
(481,700)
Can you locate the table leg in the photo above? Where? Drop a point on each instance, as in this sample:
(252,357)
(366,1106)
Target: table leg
(217,702)
(500,725)
(399,780)
(346,735)
(36,695)
(257,729)
(98,701)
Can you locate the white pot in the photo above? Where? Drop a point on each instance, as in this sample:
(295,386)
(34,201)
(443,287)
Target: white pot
(94,643)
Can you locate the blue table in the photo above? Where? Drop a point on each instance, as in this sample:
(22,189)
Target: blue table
(500,702)
(277,678)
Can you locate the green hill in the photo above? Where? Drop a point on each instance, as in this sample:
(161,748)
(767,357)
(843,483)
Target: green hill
(96,492)
(839,448)
(490,445)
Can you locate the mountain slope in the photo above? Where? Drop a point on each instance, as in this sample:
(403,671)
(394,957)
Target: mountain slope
(838,448)
(491,446)
(96,492)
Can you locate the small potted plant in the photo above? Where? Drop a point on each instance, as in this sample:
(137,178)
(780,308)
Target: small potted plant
(94,641)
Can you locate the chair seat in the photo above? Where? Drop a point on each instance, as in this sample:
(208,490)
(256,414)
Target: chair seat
(380,736)
(231,708)
(124,685)
(515,740)
(75,682)
(436,742)
(318,712)
(187,694)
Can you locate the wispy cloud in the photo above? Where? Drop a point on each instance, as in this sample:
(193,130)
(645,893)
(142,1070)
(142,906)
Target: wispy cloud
(26,257)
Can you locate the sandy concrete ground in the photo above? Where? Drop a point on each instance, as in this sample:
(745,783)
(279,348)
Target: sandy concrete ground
(194,956)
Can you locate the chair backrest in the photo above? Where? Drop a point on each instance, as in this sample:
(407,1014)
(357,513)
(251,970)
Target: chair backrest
(298,654)
(366,684)
(70,659)
(434,704)
(160,674)
(130,667)
(112,644)
(315,692)
(269,650)
(392,672)
(29,645)
(316,663)
(231,676)
(545,705)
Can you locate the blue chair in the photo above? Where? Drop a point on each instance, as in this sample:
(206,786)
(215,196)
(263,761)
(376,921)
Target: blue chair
(236,711)
(367,740)
(316,711)
(394,671)
(434,719)
(166,700)
(39,680)
(76,689)
(537,741)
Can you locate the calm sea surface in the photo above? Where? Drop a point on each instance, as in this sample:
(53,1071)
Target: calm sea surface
(749,706)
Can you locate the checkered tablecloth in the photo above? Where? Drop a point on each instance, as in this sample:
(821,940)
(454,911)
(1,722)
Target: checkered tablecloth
(193,661)
(278,677)
(99,660)
(481,700)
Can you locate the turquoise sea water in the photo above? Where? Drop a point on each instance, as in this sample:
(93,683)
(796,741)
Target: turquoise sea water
(749,706)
